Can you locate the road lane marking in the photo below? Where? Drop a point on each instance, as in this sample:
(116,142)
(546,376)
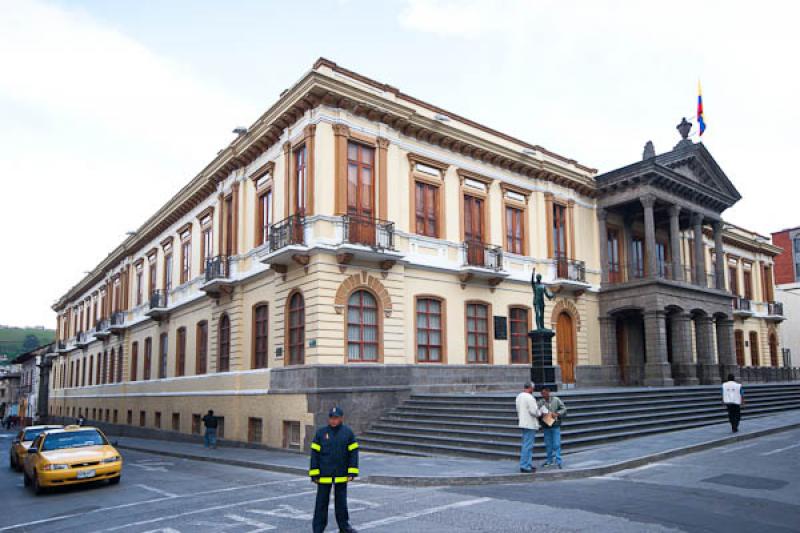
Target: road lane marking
(146,502)
(157,491)
(207,510)
(250,522)
(779,450)
(421,512)
(737,448)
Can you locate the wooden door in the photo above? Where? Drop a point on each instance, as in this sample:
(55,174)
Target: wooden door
(473,230)
(361,193)
(565,343)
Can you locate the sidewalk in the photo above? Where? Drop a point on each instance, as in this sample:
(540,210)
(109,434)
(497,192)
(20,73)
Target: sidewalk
(437,471)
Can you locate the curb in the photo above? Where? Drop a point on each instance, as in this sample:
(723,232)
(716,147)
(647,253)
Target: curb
(441,481)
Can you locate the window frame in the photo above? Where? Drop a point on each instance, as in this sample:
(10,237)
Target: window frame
(201,348)
(290,309)
(512,334)
(260,342)
(186,256)
(378,328)
(489,331)
(265,201)
(442,329)
(180,351)
(224,343)
(147,368)
(427,180)
(134,361)
(163,355)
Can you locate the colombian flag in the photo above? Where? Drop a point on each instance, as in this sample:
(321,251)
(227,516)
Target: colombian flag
(700,121)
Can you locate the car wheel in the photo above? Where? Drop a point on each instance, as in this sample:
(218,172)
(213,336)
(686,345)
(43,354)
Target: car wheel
(26,480)
(37,489)
(115,480)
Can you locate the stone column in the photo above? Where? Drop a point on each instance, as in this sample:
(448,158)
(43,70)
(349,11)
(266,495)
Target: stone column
(602,216)
(726,351)
(699,251)
(707,368)
(684,371)
(657,371)
(675,242)
(648,201)
(719,260)
(609,350)
(628,227)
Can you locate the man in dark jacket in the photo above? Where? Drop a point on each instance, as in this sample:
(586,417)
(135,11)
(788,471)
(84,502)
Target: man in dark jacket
(211,423)
(334,462)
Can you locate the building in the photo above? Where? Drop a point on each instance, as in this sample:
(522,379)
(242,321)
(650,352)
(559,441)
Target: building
(33,383)
(787,280)
(9,391)
(356,243)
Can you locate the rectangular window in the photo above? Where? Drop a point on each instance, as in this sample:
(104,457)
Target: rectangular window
(748,283)
(201,357)
(134,360)
(168,273)
(518,338)
(229,225)
(114,419)
(139,276)
(158,420)
(766,281)
(796,245)
(148,358)
(515,231)
(254,430)
(754,356)
(163,348)
(661,259)
(637,261)
(291,434)
(614,272)
(260,335)
(361,193)
(300,183)
(429,330)
(477,333)
(180,352)
(196,424)
(176,421)
(142,418)
(221,427)
(559,231)
(474,229)
(264,217)
(129,418)
(152,266)
(426,206)
(186,260)
(733,281)
(206,246)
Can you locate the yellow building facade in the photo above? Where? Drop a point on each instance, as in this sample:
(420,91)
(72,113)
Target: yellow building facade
(353,245)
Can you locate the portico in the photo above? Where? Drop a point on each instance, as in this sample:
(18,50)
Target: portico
(665,312)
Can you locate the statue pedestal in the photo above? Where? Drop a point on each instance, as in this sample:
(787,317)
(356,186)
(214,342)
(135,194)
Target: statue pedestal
(543,373)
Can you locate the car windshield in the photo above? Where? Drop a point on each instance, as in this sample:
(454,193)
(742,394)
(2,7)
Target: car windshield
(73,439)
(31,434)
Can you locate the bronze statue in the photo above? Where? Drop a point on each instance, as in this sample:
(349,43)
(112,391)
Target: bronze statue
(539,292)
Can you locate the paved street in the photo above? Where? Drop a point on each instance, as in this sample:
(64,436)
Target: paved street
(749,486)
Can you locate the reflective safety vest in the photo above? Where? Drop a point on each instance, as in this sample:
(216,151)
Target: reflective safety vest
(334,455)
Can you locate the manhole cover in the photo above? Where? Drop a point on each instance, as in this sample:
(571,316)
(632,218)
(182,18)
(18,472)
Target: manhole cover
(747,482)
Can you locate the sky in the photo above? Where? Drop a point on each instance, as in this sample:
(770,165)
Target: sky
(108,107)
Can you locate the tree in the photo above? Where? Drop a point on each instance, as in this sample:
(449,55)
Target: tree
(31,343)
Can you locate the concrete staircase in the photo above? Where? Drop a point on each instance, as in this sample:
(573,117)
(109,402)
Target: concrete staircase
(484,425)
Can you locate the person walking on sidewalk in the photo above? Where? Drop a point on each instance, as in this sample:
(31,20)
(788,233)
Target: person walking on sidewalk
(552,433)
(334,462)
(211,422)
(528,412)
(733,398)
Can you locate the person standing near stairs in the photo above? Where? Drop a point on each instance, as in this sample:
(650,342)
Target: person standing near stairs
(528,413)
(733,398)
(552,433)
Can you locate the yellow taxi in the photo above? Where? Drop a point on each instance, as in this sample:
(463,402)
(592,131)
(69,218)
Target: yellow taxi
(21,443)
(68,456)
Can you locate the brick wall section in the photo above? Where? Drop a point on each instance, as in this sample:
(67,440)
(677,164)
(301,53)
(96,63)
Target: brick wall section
(784,269)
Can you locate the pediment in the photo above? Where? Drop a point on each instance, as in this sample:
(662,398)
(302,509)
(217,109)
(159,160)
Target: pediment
(695,163)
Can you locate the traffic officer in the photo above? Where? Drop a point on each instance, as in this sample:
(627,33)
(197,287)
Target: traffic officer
(334,462)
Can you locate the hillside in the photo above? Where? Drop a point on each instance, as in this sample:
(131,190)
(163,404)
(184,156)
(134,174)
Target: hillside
(14,341)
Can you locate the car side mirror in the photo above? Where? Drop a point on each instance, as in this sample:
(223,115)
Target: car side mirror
(33,450)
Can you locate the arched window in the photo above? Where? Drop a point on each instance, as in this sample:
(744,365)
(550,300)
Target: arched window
(163,350)
(773,349)
(91,368)
(224,359)
(754,355)
(148,358)
(134,360)
(260,335)
(104,371)
(297,329)
(362,327)
(738,337)
(429,330)
(180,352)
(201,355)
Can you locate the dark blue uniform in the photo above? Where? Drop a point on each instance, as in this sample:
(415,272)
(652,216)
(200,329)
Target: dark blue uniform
(334,459)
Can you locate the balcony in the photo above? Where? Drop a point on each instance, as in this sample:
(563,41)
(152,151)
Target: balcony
(117,322)
(775,311)
(158,305)
(103,329)
(569,275)
(368,239)
(218,279)
(82,339)
(742,307)
(61,347)
(621,273)
(287,242)
(482,261)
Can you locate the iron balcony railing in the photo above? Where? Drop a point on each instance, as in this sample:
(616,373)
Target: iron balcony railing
(289,231)
(570,269)
(217,268)
(158,299)
(118,318)
(775,308)
(372,232)
(82,337)
(102,325)
(61,345)
(482,255)
(741,304)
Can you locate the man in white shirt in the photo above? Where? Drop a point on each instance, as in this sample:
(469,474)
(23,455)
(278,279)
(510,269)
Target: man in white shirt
(733,398)
(528,412)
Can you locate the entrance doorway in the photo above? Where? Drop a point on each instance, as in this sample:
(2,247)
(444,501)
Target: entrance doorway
(565,342)
(622,351)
